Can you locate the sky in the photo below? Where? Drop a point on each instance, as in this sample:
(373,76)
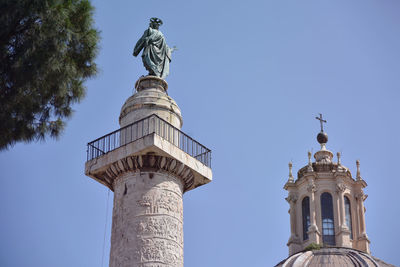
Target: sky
(249,78)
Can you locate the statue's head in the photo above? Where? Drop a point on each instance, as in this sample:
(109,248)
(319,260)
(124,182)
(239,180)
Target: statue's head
(155,23)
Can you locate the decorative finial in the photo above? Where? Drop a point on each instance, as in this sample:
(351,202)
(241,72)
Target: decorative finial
(309,168)
(358,176)
(338,159)
(322,137)
(291,178)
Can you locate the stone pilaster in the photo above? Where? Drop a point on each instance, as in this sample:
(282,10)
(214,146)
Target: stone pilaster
(313,232)
(294,240)
(362,240)
(343,235)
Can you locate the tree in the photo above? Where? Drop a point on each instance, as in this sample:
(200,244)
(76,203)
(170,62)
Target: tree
(47,51)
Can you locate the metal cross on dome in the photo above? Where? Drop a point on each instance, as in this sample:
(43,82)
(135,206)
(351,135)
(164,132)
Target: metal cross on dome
(321,121)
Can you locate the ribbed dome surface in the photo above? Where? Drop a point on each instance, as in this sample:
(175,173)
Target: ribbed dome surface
(329,257)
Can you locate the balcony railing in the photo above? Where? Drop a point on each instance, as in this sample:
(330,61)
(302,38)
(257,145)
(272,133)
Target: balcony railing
(142,128)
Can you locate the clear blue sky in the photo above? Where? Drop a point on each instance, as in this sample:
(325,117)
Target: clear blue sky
(249,77)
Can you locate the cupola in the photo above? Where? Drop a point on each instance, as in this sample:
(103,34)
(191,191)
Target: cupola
(326,203)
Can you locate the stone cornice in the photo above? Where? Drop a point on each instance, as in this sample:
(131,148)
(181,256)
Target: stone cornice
(319,167)
(289,185)
(147,163)
(361,183)
(294,239)
(132,158)
(361,196)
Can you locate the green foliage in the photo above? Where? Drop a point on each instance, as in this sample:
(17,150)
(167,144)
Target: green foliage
(47,51)
(313,246)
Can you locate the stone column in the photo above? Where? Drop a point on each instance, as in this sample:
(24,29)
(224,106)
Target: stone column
(341,209)
(148,171)
(294,239)
(360,200)
(313,233)
(363,241)
(336,212)
(344,232)
(147,226)
(318,213)
(292,199)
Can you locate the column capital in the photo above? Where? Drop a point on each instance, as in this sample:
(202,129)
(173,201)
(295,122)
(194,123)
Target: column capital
(361,196)
(311,187)
(292,198)
(340,187)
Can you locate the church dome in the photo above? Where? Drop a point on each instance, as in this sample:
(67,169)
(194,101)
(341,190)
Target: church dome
(333,256)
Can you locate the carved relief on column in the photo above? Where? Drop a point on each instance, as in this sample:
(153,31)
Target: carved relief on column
(147,228)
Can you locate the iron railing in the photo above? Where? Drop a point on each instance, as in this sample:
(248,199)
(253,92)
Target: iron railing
(142,128)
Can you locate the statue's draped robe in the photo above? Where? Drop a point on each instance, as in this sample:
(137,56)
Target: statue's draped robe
(156,54)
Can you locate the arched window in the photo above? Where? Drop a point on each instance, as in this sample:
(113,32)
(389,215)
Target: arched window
(347,209)
(305,208)
(328,226)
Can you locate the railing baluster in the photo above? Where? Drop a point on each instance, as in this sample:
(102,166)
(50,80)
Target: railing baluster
(159,127)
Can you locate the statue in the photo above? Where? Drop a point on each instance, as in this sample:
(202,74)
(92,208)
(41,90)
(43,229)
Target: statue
(156,53)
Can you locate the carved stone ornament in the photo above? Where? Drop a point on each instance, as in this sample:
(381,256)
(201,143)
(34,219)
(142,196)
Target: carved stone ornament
(340,187)
(294,239)
(292,198)
(311,187)
(313,229)
(291,178)
(361,196)
(150,253)
(309,166)
(151,163)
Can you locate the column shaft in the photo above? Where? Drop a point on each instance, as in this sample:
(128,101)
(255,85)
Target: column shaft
(293,219)
(312,208)
(147,227)
(341,209)
(362,216)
